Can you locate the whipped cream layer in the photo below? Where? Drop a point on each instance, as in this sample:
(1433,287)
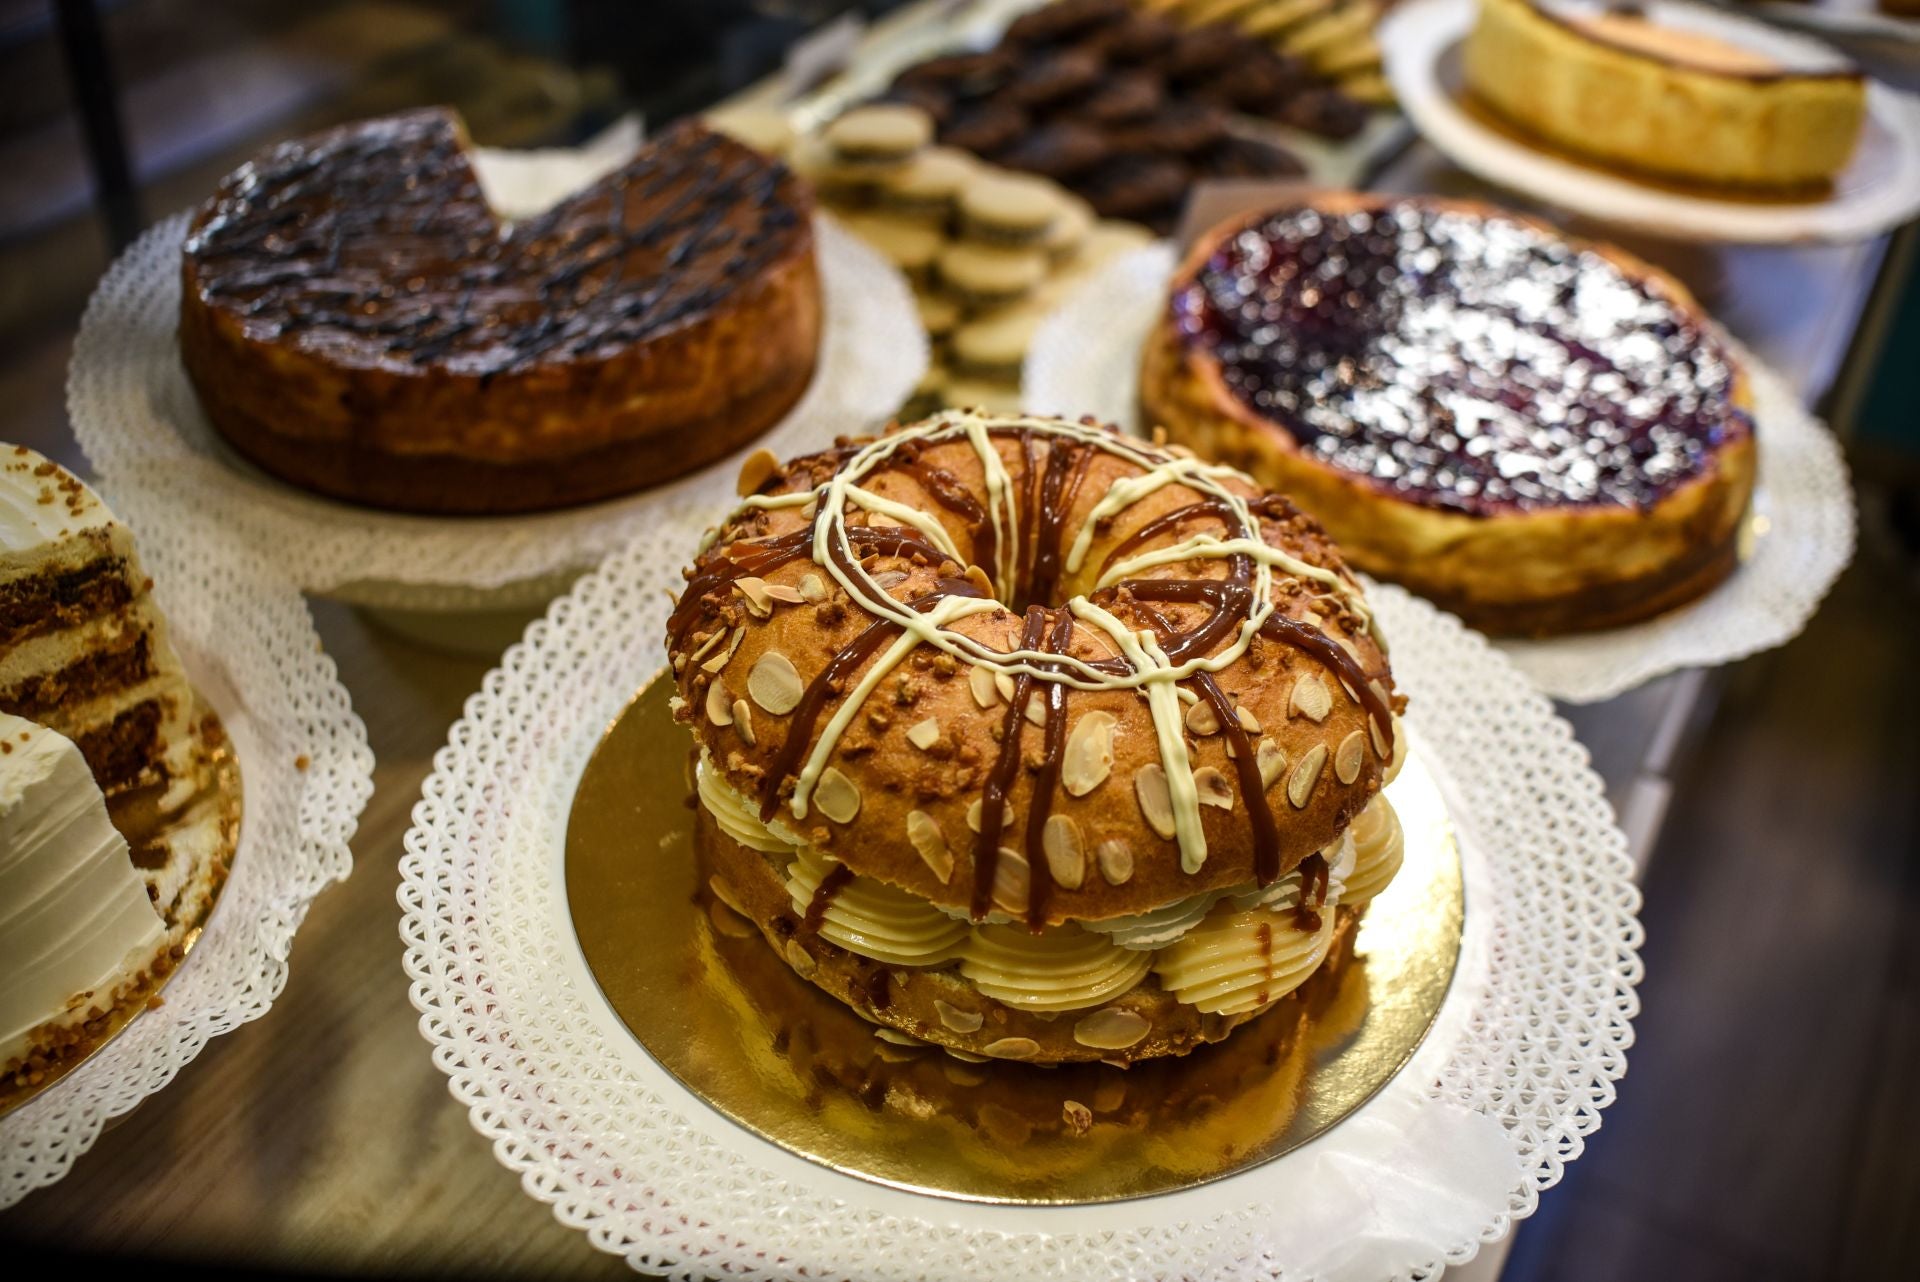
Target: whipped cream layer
(76,923)
(1226,952)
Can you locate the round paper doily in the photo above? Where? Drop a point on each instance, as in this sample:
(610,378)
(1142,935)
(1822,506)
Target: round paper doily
(1879,190)
(141,425)
(1085,360)
(1498,1099)
(249,647)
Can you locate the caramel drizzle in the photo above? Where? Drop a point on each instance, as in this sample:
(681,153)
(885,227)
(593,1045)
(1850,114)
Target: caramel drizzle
(1266,833)
(1264,934)
(1231,599)
(1067,464)
(1318,645)
(1315,880)
(763,559)
(947,491)
(1053,753)
(830,885)
(824,685)
(993,798)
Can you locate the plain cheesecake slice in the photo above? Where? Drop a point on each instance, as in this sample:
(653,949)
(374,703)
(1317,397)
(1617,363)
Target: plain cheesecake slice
(1669,91)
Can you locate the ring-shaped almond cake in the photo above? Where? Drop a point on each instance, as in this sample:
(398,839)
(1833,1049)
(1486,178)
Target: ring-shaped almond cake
(1035,741)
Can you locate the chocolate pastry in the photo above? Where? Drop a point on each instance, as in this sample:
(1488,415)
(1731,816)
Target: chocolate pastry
(1327,112)
(1139,37)
(1122,97)
(962,74)
(1177,129)
(1202,52)
(1142,188)
(1254,82)
(986,128)
(356,321)
(1059,150)
(1051,78)
(1063,20)
(1233,157)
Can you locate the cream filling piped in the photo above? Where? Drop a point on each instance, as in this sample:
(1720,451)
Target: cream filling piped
(874,919)
(737,816)
(1061,968)
(1065,967)
(1237,961)
(1379,848)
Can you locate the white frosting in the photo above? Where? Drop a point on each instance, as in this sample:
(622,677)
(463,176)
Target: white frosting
(41,502)
(75,918)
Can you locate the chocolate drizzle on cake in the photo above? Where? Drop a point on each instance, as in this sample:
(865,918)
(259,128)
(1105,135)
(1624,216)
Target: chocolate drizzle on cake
(1463,361)
(375,243)
(1052,468)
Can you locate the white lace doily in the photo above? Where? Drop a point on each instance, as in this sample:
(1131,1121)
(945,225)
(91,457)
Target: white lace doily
(249,646)
(141,425)
(1514,1074)
(1085,360)
(1420,49)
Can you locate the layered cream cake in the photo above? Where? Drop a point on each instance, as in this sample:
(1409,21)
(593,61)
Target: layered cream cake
(83,649)
(119,801)
(78,931)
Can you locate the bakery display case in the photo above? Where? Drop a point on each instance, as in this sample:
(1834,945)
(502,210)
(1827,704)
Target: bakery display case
(952,638)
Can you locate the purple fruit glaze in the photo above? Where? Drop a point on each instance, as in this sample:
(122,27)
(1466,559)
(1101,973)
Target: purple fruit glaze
(1475,363)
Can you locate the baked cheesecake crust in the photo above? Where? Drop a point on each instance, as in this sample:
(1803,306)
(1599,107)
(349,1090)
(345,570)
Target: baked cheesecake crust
(1541,567)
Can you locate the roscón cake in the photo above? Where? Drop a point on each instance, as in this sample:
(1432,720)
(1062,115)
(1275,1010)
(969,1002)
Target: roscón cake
(357,320)
(1033,741)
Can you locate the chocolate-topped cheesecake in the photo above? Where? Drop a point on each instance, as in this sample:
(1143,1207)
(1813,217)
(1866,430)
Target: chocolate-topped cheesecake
(1542,434)
(358,320)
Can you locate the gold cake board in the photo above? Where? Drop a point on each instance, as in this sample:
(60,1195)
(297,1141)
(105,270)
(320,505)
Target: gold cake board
(722,1012)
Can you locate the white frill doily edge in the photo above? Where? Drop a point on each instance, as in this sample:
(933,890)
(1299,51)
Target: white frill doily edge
(1803,504)
(140,424)
(250,648)
(1499,1098)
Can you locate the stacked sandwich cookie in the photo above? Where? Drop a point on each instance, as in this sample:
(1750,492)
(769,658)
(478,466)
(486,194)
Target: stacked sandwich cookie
(989,252)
